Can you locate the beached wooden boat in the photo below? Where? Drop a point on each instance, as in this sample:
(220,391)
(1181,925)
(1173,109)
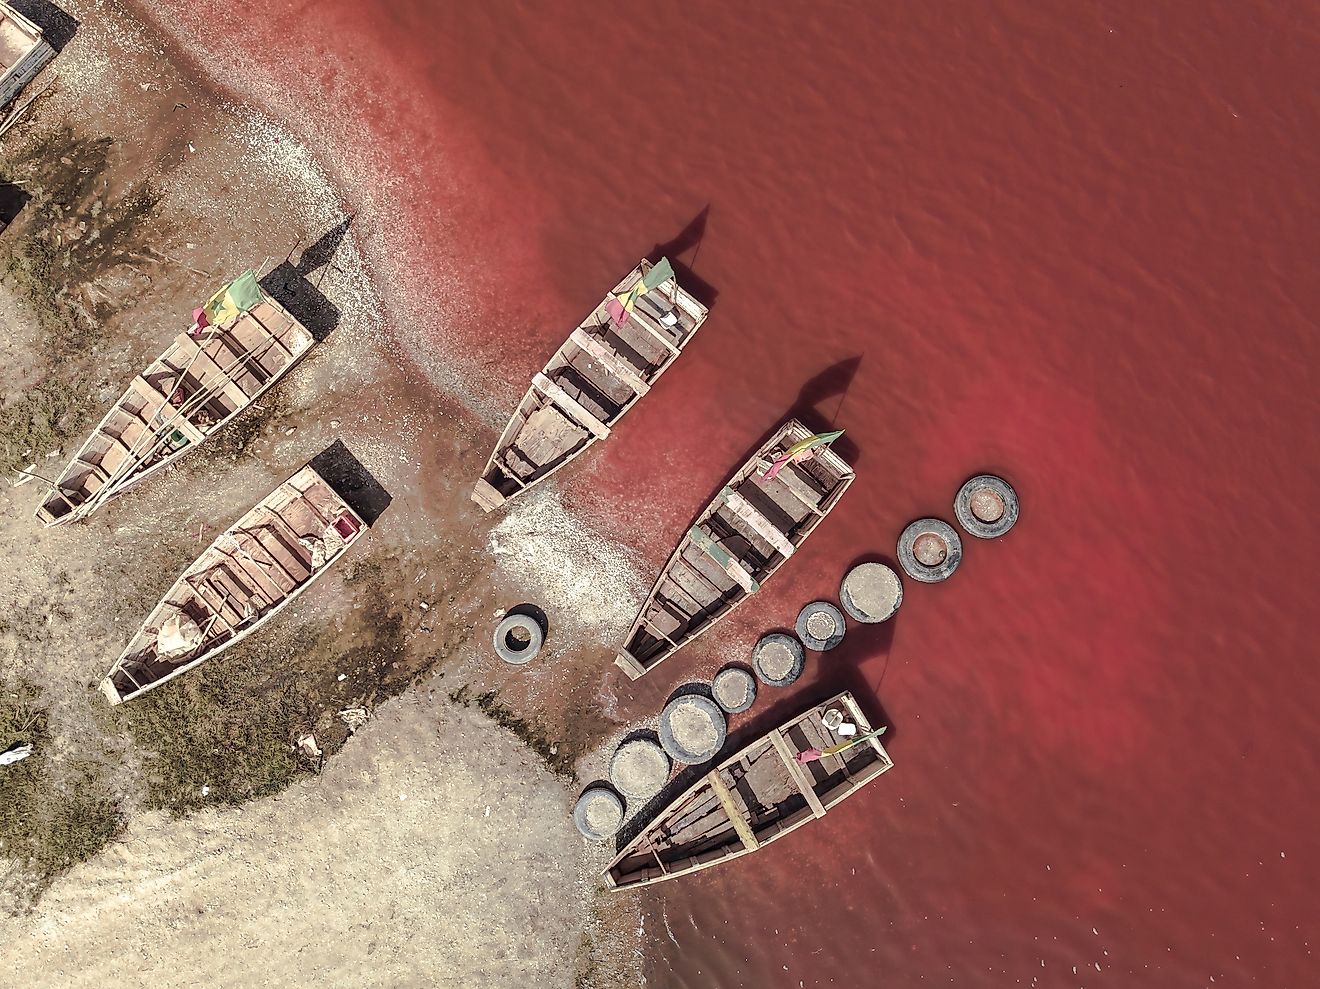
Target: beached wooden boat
(253,569)
(182,399)
(604,367)
(754,798)
(23,53)
(742,537)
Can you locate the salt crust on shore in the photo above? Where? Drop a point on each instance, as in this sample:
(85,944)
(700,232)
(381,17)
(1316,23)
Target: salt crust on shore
(568,567)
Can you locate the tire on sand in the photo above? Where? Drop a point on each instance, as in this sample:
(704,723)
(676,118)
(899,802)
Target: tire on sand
(516,648)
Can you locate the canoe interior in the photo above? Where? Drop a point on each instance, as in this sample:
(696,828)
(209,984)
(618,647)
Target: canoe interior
(251,571)
(696,830)
(696,589)
(546,432)
(192,390)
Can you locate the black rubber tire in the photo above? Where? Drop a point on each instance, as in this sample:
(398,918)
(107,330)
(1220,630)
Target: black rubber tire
(793,645)
(671,745)
(731,672)
(918,570)
(580,811)
(511,654)
(962,506)
(856,579)
(811,641)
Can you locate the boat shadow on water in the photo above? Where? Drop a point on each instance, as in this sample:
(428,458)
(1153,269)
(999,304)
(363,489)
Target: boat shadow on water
(688,239)
(292,286)
(345,474)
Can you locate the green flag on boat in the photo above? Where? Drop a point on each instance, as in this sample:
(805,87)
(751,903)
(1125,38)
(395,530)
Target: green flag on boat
(233,300)
(661,272)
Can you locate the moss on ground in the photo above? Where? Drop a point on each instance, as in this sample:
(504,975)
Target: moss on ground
(222,734)
(51,816)
(231,726)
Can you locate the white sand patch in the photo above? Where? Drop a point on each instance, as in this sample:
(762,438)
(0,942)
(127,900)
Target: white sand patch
(565,565)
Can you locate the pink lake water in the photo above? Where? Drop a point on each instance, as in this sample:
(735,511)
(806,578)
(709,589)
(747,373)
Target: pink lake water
(1073,246)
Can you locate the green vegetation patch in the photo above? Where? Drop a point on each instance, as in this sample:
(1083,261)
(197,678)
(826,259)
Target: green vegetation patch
(222,733)
(51,816)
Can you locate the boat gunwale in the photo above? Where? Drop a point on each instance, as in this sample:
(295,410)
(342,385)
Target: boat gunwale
(209,555)
(844,698)
(137,476)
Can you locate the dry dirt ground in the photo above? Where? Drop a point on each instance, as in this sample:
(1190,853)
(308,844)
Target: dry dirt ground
(383,868)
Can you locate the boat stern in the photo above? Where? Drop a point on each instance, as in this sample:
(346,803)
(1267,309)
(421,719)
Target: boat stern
(111,692)
(625,661)
(485,494)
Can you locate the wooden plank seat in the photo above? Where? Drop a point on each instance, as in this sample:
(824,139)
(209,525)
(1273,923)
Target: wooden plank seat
(563,400)
(759,523)
(611,360)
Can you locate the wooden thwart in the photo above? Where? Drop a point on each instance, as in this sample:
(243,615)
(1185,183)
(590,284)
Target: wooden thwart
(613,362)
(742,508)
(704,541)
(799,488)
(567,403)
(735,815)
(800,779)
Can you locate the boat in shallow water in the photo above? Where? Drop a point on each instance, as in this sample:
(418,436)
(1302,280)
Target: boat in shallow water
(789,777)
(611,360)
(254,569)
(182,399)
(751,528)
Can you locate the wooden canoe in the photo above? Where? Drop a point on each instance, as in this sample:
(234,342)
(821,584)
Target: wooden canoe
(752,799)
(743,536)
(588,385)
(252,570)
(181,400)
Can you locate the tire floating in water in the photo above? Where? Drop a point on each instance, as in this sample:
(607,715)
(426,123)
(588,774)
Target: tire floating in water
(929,550)
(871,593)
(734,689)
(820,626)
(986,506)
(778,659)
(692,729)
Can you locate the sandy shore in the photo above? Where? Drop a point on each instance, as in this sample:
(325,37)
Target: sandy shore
(434,851)
(149,191)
